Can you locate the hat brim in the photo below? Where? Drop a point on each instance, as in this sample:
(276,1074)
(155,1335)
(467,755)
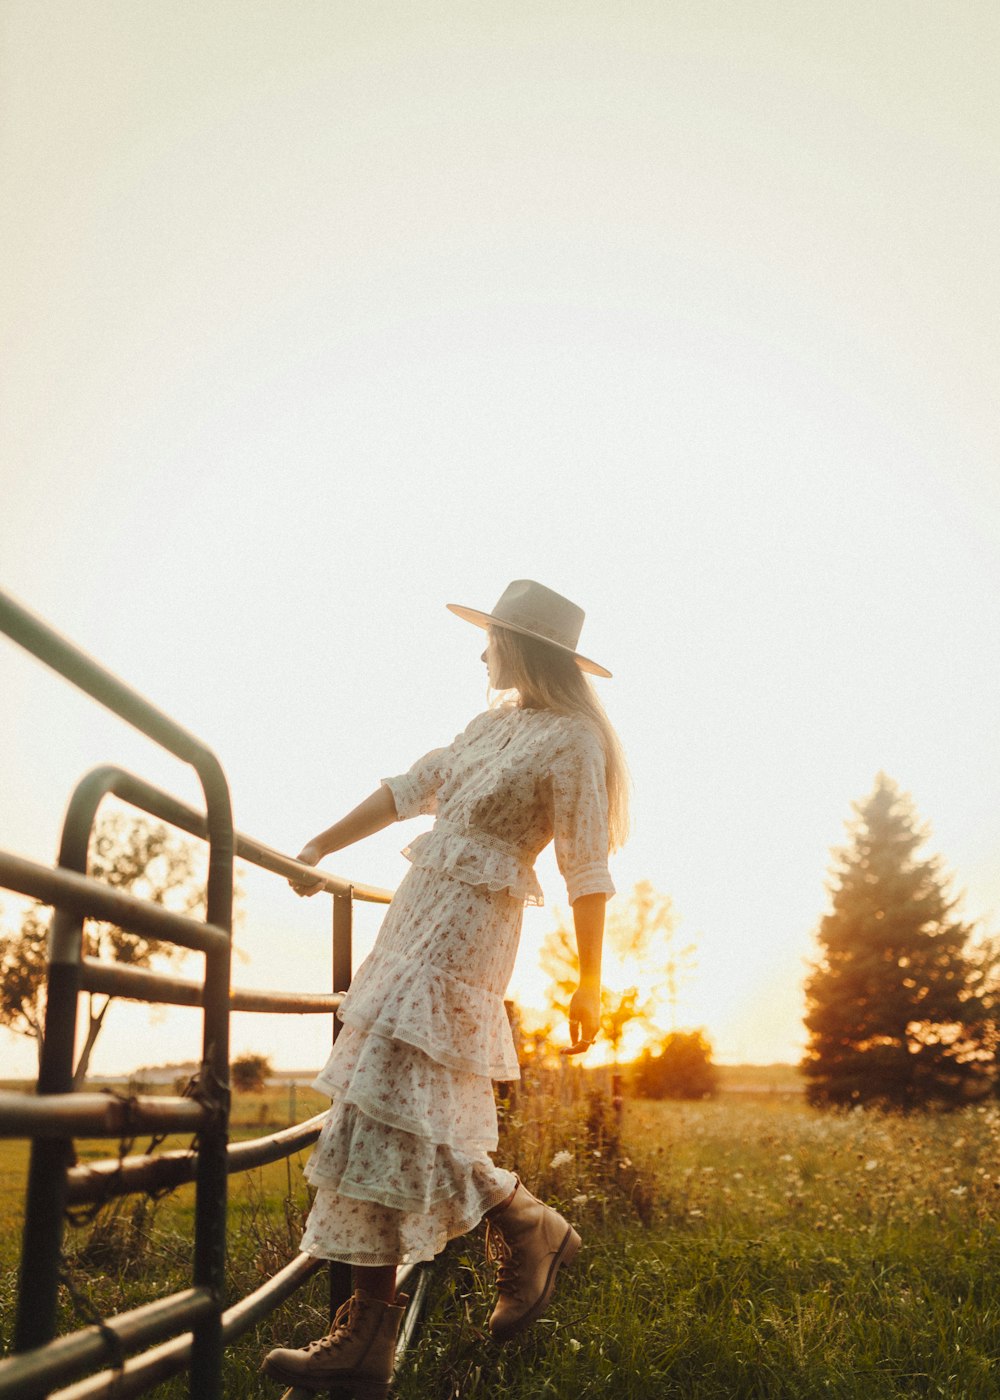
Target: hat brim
(484,620)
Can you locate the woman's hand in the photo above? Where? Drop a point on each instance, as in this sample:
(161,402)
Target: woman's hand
(310,854)
(584,1019)
(376,812)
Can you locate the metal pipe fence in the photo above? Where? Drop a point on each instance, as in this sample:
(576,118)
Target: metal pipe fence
(187,1330)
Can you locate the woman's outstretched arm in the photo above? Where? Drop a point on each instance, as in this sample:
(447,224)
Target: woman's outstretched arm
(585,1007)
(376,812)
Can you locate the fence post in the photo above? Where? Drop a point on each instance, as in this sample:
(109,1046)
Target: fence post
(41,1249)
(212,1177)
(341,1286)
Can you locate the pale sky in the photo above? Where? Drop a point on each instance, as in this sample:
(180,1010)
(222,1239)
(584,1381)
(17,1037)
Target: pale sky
(319,316)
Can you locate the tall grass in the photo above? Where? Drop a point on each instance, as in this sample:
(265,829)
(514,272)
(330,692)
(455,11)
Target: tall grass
(748,1247)
(744,1249)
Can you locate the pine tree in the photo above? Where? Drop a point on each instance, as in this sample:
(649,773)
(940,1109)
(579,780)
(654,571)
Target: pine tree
(892,1012)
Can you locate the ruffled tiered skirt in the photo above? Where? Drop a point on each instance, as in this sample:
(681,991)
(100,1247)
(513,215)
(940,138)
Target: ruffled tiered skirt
(402,1164)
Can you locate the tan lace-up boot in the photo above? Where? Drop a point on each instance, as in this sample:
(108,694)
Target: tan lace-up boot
(357,1353)
(529,1241)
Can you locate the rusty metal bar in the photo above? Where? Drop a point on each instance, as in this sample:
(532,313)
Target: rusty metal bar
(257,1305)
(31,1375)
(212,1180)
(411,1319)
(45,1196)
(74,898)
(268,859)
(142,1372)
(46,1187)
(285,1003)
(96,1115)
(343,946)
(93,900)
(108,778)
(340,1277)
(139,984)
(101,1181)
(156,1365)
(36,636)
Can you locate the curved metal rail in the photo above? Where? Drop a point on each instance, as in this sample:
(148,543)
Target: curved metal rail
(189,1329)
(96,1182)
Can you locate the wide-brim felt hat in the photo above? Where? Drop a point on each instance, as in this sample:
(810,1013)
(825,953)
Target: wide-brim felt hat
(533,610)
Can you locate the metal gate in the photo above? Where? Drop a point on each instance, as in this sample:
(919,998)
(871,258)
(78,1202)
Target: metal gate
(191,1328)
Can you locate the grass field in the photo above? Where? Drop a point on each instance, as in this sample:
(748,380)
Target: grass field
(746,1247)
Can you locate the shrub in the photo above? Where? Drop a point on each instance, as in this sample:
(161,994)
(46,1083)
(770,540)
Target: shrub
(250,1072)
(681,1069)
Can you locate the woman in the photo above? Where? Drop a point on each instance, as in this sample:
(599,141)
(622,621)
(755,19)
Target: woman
(402,1164)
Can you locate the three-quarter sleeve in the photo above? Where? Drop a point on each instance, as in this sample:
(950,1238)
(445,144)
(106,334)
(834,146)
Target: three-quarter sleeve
(415,791)
(580,814)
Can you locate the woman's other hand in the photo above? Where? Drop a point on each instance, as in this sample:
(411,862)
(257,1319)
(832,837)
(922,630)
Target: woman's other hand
(310,854)
(584,1019)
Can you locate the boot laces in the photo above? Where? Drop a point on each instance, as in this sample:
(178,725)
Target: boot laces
(499,1252)
(339,1329)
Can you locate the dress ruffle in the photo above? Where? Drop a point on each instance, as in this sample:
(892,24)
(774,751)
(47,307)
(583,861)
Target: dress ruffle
(459,1025)
(360,1230)
(401,1164)
(360,1157)
(402,1087)
(475,858)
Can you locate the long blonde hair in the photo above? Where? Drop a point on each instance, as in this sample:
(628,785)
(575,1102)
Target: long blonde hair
(546,678)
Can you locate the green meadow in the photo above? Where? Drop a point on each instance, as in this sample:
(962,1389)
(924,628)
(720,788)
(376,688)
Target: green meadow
(743,1247)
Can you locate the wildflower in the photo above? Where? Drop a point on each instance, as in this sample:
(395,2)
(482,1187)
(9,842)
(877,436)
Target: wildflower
(785,1157)
(696,1214)
(561,1159)
(574,1345)
(580,1200)
(871,1164)
(958,1190)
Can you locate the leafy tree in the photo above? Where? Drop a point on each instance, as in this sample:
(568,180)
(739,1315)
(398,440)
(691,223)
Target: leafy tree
(22,975)
(135,855)
(681,1068)
(893,1016)
(251,1072)
(640,937)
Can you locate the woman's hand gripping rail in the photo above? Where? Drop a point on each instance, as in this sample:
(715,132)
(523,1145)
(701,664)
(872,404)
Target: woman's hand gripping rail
(373,814)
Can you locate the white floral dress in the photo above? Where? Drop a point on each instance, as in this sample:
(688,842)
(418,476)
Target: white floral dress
(402,1163)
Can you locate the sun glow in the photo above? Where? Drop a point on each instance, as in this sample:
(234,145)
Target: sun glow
(691,318)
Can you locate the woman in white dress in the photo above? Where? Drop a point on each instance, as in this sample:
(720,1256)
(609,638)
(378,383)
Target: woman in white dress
(403,1164)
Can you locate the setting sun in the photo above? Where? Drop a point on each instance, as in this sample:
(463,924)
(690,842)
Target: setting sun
(631,360)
